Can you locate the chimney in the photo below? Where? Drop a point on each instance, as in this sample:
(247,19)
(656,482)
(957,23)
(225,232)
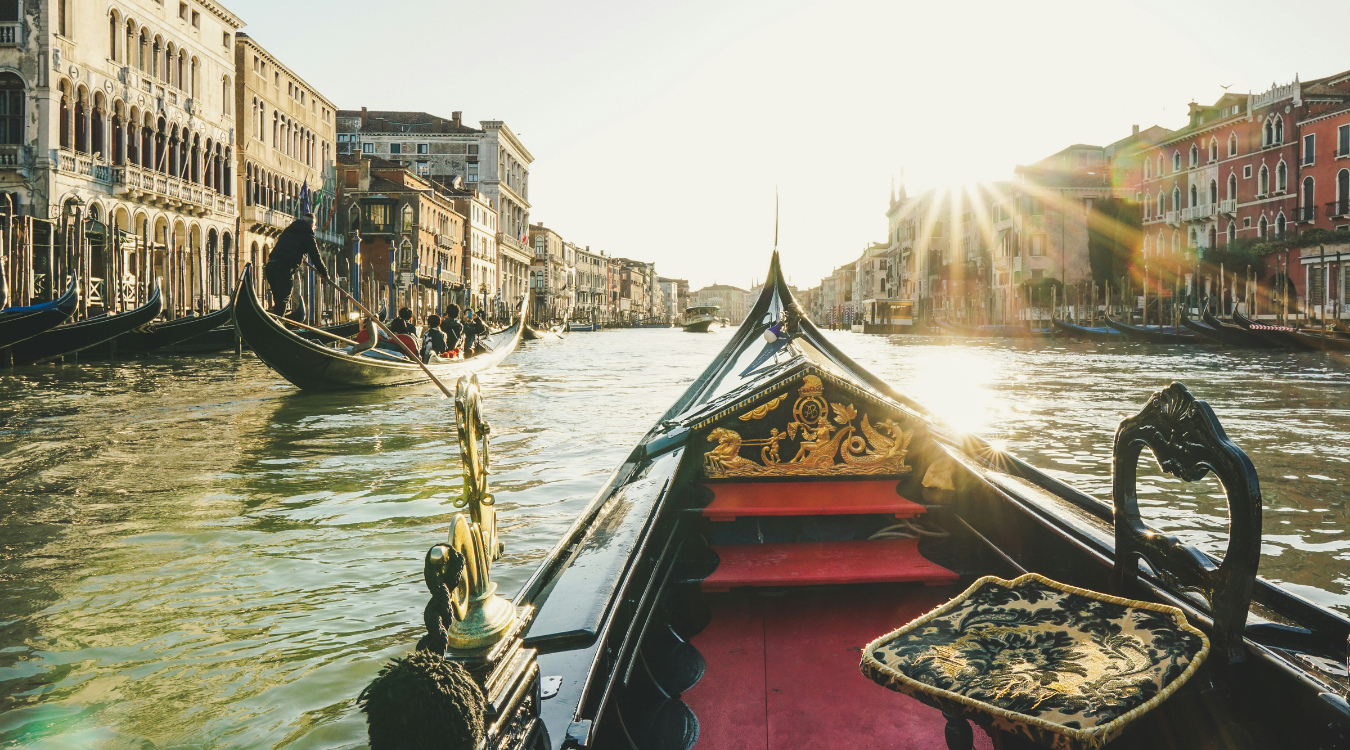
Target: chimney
(1135,130)
(364,116)
(454,117)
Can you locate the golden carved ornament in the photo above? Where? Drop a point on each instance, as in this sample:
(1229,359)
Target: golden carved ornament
(759,412)
(823,448)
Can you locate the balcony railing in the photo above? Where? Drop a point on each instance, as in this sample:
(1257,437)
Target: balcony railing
(1197,213)
(1338,209)
(1172,218)
(85,165)
(1228,206)
(1305,214)
(13,155)
(11,34)
(143,184)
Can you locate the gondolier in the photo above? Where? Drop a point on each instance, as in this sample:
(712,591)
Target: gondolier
(295,243)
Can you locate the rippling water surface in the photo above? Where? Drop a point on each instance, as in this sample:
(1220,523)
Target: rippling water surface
(195,554)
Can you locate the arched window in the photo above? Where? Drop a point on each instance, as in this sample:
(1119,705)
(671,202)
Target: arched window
(407,222)
(1261,227)
(1263,182)
(1148,206)
(11,108)
(1232,187)
(1213,191)
(1176,199)
(1213,150)
(1279,130)
(1195,196)
(1232,231)
(1307,212)
(1281,177)
(1195,155)
(1279,226)
(1176,162)
(1268,134)
(1232,144)
(226,95)
(143,52)
(193,91)
(113,29)
(1147,171)
(155,61)
(1160,165)
(1162,204)
(1343,192)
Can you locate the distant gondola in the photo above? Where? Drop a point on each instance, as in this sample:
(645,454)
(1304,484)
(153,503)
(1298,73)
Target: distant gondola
(1098,333)
(1153,334)
(313,366)
(724,584)
(1237,335)
(159,335)
(1292,339)
(20,323)
(71,338)
(1210,334)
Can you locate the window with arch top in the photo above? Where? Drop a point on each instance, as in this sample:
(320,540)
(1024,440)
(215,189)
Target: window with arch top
(1232,187)
(1195,155)
(1232,144)
(11,108)
(1176,161)
(1263,181)
(1281,177)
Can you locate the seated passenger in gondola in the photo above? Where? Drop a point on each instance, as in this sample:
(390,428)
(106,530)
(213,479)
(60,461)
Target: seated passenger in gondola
(373,341)
(433,341)
(453,330)
(474,329)
(403,323)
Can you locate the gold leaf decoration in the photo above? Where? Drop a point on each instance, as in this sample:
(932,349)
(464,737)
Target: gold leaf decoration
(822,448)
(759,412)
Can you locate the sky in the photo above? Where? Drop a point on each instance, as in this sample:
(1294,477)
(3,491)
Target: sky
(664,131)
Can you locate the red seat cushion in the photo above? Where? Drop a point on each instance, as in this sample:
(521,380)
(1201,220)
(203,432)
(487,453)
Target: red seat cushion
(808,499)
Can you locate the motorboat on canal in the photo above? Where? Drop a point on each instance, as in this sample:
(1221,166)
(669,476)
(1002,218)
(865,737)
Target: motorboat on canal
(72,338)
(1153,334)
(699,319)
(792,515)
(318,366)
(22,323)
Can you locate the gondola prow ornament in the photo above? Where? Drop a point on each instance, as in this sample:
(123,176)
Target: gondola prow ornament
(471,675)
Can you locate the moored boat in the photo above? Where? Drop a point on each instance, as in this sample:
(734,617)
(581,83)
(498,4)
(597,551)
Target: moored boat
(315,366)
(160,335)
(1238,335)
(1293,338)
(699,319)
(788,516)
(1153,334)
(72,338)
(21,323)
(1090,333)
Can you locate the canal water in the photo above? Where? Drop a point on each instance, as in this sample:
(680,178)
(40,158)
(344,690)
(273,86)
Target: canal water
(197,555)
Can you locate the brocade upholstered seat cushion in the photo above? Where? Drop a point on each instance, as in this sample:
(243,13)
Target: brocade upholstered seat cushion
(1065,667)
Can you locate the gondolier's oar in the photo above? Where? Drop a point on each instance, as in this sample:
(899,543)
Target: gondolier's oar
(396,339)
(288,321)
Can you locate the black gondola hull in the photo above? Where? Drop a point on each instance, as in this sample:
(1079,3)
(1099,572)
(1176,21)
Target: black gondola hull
(1083,332)
(312,366)
(22,323)
(1153,335)
(74,337)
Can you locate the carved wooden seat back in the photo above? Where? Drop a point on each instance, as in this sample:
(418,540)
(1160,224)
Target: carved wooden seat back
(1188,442)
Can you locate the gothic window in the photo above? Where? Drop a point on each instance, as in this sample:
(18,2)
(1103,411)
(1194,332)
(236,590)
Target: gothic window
(1281,177)
(1195,196)
(1176,162)
(1232,144)
(113,28)
(1307,199)
(1279,130)
(407,222)
(1268,134)
(1232,187)
(1213,191)
(11,108)
(1176,199)
(1263,181)
(1261,228)
(1213,150)
(1279,226)
(1195,155)
(1232,231)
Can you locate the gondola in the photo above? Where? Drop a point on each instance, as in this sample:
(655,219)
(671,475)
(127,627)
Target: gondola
(1292,338)
(72,338)
(1238,335)
(160,335)
(1211,334)
(791,516)
(1153,334)
(20,323)
(314,366)
(1094,333)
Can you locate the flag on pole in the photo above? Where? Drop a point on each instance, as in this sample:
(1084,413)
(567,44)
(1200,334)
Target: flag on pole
(305,206)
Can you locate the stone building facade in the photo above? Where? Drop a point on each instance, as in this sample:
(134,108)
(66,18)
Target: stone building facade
(592,299)
(551,274)
(490,158)
(285,143)
(117,128)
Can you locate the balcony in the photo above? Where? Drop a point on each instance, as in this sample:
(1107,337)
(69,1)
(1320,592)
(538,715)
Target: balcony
(1172,218)
(1228,206)
(158,189)
(13,155)
(1198,213)
(84,165)
(1339,209)
(11,35)
(1305,214)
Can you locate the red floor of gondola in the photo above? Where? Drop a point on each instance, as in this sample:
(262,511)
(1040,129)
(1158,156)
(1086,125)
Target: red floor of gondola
(783,672)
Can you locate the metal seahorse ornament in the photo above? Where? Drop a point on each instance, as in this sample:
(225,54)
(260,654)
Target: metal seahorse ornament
(477,615)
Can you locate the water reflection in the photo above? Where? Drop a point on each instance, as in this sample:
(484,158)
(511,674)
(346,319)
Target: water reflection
(197,554)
